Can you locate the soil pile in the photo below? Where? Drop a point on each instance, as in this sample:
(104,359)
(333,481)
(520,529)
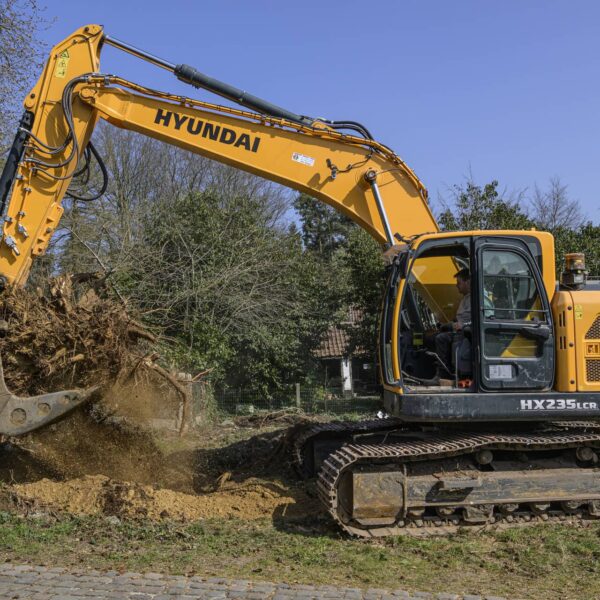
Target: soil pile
(99,495)
(101,458)
(100,465)
(91,442)
(88,442)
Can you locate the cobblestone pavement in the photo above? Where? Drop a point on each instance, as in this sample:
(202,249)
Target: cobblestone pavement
(25,582)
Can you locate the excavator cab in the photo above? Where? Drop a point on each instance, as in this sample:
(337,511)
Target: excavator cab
(507,341)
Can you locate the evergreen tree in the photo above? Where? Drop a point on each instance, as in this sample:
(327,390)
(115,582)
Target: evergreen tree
(367,285)
(478,208)
(324,230)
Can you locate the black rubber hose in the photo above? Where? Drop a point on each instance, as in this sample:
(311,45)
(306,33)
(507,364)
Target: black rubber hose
(14,156)
(104,178)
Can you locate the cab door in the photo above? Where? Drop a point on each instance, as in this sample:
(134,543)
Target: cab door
(516,341)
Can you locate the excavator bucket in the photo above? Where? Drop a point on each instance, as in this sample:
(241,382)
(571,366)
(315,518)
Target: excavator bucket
(22,415)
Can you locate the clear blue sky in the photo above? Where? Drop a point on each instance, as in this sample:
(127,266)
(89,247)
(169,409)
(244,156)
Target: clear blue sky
(507,90)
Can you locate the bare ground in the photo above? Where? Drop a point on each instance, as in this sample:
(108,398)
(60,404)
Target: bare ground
(99,491)
(103,459)
(93,464)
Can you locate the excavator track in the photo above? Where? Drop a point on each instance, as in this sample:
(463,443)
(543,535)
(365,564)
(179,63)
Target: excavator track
(304,439)
(386,482)
(336,433)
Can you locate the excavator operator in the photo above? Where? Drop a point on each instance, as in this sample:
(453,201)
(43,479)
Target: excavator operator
(452,334)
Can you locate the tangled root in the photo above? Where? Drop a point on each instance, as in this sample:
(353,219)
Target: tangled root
(73,335)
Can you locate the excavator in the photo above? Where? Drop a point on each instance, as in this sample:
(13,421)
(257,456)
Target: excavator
(503,428)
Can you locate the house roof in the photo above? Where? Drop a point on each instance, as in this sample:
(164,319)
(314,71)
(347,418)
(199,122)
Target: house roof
(336,341)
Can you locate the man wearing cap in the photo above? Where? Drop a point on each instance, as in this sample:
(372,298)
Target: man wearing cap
(452,333)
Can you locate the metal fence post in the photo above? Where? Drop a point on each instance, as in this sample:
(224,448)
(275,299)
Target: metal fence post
(298,403)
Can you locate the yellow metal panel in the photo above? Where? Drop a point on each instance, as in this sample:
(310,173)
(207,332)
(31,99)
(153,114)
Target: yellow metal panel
(34,205)
(586,318)
(396,366)
(564,338)
(520,347)
(435,282)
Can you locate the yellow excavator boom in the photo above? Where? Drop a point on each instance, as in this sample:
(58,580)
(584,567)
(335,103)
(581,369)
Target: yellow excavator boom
(355,174)
(358,176)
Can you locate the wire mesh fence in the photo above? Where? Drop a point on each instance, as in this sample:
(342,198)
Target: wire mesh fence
(308,399)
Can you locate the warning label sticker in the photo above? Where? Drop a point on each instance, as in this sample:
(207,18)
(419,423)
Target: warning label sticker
(303,159)
(62,63)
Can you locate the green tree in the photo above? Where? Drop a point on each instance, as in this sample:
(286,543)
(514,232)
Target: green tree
(349,265)
(584,239)
(367,285)
(473,207)
(203,251)
(217,274)
(324,230)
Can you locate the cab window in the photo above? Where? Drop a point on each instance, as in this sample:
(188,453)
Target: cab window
(509,288)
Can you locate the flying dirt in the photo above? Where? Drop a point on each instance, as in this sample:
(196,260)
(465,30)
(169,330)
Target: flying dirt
(91,465)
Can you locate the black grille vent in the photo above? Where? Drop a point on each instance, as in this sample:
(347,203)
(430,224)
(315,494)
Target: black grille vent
(592,369)
(594,331)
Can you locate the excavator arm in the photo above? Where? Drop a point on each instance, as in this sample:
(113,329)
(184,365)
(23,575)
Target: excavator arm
(355,174)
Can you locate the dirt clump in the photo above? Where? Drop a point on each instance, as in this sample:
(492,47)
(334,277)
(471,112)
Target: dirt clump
(91,442)
(95,464)
(87,442)
(97,495)
(77,496)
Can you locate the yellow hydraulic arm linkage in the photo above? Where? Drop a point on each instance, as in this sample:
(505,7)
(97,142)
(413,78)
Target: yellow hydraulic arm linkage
(355,174)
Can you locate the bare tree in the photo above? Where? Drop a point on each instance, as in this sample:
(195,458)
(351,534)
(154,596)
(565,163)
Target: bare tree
(235,261)
(21,53)
(145,174)
(552,208)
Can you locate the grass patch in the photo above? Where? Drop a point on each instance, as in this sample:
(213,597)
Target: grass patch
(536,562)
(542,562)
